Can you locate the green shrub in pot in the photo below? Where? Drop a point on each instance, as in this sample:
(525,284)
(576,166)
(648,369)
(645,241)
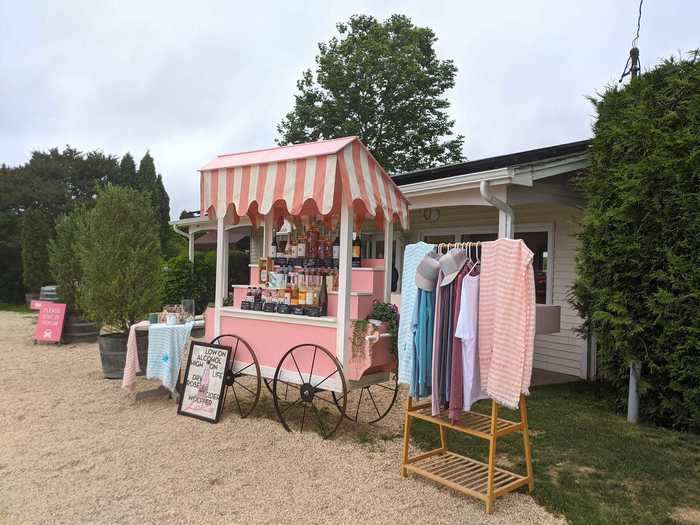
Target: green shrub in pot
(119,253)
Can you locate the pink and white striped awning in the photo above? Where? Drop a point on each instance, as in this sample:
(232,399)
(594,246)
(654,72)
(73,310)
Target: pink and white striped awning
(301,180)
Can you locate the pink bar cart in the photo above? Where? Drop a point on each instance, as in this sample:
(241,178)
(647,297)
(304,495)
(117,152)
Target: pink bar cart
(313,366)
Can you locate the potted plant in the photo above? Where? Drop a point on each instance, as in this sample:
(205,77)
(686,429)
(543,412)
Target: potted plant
(119,251)
(65,269)
(369,352)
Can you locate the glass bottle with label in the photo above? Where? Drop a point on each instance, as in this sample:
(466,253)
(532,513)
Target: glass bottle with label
(356,251)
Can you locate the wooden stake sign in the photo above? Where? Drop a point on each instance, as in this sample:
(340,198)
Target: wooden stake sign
(205,375)
(49,326)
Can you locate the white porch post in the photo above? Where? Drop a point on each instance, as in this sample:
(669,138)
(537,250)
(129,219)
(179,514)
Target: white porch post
(344,282)
(224,284)
(388,258)
(267,234)
(505,225)
(190,242)
(220,271)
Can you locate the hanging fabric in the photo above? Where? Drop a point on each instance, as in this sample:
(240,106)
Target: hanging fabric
(506,320)
(413,255)
(423,325)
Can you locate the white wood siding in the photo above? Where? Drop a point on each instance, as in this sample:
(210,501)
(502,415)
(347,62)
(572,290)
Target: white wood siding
(563,352)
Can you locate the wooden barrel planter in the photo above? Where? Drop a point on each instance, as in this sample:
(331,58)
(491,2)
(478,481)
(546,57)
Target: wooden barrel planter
(78,330)
(113,354)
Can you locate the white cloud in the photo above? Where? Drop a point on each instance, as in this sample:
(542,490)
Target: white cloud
(189,81)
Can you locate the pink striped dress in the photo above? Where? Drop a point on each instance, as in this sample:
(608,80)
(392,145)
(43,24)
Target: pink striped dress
(506,320)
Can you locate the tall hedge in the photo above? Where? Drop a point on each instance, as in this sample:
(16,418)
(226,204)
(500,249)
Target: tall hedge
(638,285)
(36,234)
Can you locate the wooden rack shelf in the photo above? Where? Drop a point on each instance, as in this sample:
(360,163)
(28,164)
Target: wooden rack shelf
(468,476)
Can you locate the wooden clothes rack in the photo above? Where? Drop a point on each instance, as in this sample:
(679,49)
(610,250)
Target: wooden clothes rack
(485,481)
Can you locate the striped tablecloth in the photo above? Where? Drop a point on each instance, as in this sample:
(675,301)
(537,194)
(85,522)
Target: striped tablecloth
(165,348)
(165,343)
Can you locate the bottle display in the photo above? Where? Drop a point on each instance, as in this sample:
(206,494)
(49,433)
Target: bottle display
(300,271)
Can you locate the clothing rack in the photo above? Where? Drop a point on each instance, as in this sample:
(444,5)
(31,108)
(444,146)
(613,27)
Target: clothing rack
(484,481)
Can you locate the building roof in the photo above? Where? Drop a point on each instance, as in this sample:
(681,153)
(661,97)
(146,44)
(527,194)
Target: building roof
(493,163)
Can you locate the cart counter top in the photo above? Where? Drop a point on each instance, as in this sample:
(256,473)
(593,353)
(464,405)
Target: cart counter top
(325,322)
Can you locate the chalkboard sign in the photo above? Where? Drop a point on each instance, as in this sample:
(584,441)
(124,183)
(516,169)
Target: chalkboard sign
(205,379)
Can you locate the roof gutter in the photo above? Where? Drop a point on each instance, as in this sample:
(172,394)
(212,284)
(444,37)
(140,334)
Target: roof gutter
(181,232)
(505,227)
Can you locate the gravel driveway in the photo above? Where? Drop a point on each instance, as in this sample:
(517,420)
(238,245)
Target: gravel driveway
(75,447)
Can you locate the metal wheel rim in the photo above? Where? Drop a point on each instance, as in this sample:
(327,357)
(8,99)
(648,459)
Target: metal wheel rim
(245,410)
(366,392)
(277,385)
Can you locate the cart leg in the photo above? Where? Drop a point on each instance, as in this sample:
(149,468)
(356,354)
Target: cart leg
(526,444)
(443,438)
(406,436)
(492,458)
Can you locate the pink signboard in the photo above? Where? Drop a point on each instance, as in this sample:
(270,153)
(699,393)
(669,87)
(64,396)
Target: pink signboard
(35,304)
(49,326)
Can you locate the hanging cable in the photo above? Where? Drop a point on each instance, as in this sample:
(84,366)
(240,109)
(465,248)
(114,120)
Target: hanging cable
(633,67)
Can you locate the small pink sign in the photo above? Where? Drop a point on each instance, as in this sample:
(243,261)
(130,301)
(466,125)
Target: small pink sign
(49,326)
(35,304)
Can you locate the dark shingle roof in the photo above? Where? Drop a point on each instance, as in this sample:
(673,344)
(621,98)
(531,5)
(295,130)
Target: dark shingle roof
(492,163)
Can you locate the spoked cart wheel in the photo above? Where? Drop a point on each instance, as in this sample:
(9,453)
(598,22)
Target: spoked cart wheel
(370,403)
(309,404)
(242,375)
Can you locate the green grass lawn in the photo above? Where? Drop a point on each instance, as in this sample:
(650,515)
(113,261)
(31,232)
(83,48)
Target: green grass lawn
(9,307)
(591,465)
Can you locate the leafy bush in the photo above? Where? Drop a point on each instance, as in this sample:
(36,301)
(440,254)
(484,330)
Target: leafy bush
(119,251)
(638,285)
(388,313)
(36,233)
(63,257)
(184,280)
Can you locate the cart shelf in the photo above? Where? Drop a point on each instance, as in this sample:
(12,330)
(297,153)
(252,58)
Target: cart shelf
(472,423)
(465,474)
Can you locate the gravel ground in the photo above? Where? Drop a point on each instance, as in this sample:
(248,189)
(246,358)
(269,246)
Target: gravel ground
(75,447)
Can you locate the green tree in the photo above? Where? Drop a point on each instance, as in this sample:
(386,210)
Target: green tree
(53,182)
(127,172)
(36,233)
(149,180)
(119,256)
(64,263)
(382,82)
(638,284)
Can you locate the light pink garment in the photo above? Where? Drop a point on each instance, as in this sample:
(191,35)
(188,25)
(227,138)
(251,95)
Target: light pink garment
(506,320)
(131,366)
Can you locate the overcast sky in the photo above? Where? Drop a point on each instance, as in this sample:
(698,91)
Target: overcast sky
(190,80)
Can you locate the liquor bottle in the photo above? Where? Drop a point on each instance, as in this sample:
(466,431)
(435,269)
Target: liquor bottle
(302,288)
(295,291)
(336,251)
(273,248)
(301,245)
(323,298)
(288,291)
(356,251)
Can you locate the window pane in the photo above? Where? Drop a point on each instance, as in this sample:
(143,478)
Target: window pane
(537,242)
(437,239)
(478,237)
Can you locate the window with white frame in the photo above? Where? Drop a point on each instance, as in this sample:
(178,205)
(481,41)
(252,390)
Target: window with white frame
(539,238)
